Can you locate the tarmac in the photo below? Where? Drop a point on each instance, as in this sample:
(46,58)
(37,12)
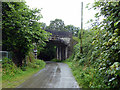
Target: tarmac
(54,75)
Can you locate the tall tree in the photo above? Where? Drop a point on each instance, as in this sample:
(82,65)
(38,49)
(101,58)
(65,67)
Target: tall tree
(43,26)
(20,28)
(57,25)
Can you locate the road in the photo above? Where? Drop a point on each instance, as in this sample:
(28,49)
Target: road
(54,75)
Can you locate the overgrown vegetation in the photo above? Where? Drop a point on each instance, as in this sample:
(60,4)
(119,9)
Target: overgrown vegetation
(21,34)
(59,25)
(12,76)
(21,31)
(99,65)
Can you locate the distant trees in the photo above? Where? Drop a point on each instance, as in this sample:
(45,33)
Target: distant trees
(56,24)
(59,25)
(74,30)
(20,29)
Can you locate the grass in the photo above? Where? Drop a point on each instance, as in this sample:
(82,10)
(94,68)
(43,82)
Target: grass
(81,73)
(86,76)
(55,60)
(17,79)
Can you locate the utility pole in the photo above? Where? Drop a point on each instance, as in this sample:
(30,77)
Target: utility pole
(81,50)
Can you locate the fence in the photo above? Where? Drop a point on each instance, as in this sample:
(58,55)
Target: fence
(4,54)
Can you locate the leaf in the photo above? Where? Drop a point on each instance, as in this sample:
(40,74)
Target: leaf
(115,24)
(112,79)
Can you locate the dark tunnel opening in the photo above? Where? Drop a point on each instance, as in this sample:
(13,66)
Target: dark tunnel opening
(48,53)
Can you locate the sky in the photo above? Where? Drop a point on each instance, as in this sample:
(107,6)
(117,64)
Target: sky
(67,10)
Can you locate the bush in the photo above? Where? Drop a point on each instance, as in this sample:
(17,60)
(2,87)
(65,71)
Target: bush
(36,64)
(40,63)
(82,61)
(9,68)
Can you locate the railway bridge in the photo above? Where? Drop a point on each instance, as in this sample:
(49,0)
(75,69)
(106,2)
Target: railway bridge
(63,42)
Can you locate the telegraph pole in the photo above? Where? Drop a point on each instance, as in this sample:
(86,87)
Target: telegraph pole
(81,50)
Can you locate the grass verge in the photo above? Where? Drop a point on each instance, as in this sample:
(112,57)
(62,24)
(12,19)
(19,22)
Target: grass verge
(86,76)
(19,78)
(82,74)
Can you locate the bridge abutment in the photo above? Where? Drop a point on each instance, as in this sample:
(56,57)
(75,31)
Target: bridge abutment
(62,53)
(66,52)
(63,41)
(58,52)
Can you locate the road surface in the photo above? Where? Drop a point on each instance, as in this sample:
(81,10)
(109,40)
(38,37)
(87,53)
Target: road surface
(54,75)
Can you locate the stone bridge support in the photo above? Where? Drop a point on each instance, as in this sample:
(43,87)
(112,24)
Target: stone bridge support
(66,52)
(62,52)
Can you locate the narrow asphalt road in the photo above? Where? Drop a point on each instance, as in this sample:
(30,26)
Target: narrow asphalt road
(54,75)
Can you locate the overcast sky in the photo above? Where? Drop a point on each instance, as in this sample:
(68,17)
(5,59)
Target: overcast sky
(67,10)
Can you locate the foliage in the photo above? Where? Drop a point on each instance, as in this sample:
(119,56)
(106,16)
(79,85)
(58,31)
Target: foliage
(18,79)
(56,24)
(9,69)
(72,29)
(12,76)
(107,42)
(56,60)
(43,26)
(87,35)
(99,65)
(14,81)
(37,64)
(86,76)
(76,39)
(21,29)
